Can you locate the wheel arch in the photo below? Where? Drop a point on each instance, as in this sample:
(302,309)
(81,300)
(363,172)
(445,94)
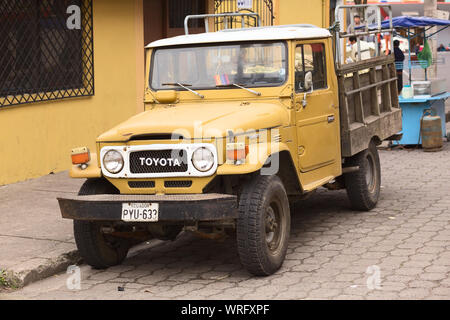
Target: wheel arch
(94,186)
(286,172)
(376,139)
(286,169)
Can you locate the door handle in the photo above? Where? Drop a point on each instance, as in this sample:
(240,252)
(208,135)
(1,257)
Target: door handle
(330,118)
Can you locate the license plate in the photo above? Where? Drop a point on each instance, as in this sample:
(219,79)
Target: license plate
(140,212)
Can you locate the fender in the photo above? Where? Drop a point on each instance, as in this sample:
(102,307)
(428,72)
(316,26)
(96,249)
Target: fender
(92,171)
(256,158)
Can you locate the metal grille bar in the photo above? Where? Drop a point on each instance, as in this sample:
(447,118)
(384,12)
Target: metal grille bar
(264,8)
(46,50)
(178,184)
(218,15)
(141,184)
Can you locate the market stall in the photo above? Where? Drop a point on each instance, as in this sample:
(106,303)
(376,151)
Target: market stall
(424,97)
(413,110)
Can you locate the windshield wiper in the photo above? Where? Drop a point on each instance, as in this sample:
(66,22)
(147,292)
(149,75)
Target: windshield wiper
(184,86)
(239,86)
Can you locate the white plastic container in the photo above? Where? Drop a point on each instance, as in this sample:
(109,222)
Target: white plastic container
(407,92)
(421,89)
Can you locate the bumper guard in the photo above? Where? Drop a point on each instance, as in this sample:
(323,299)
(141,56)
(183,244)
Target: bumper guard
(189,207)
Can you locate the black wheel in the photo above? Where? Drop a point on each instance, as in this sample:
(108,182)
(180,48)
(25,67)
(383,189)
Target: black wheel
(263,225)
(363,186)
(98,249)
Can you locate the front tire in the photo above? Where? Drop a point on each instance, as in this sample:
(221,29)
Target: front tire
(263,225)
(99,250)
(363,186)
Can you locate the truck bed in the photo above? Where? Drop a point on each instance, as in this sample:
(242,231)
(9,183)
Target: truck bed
(368,102)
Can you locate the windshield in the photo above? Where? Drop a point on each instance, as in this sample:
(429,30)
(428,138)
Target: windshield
(212,66)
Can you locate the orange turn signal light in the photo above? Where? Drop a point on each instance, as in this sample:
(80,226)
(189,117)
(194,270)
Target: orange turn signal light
(236,151)
(81,155)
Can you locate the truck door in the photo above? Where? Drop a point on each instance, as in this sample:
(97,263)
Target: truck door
(317,114)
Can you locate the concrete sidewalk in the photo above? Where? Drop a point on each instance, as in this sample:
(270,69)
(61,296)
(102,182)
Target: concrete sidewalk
(36,242)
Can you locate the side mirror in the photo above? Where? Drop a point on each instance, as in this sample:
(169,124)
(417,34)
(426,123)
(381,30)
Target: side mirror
(308,85)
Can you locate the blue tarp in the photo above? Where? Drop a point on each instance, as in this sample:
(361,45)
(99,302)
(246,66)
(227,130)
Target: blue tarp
(411,22)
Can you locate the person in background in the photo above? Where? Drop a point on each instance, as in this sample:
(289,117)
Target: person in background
(367,50)
(357,23)
(416,48)
(441,48)
(399,58)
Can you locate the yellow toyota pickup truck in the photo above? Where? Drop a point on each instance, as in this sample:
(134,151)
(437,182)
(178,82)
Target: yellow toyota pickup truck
(237,125)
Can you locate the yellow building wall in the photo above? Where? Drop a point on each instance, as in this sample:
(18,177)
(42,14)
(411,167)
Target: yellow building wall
(36,139)
(314,12)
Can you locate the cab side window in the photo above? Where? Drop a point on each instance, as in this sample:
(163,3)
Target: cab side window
(310,57)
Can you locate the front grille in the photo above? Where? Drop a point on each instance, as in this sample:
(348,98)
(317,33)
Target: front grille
(141,184)
(178,184)
(158,161)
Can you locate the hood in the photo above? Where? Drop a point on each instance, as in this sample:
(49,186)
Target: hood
(200,120)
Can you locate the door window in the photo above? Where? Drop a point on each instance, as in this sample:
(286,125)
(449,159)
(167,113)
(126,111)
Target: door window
(310,57)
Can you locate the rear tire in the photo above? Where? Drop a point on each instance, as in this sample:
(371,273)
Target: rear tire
(99,250)
(263,225)
(363,186)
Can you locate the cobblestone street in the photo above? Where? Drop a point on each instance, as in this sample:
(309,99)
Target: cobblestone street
(334,252)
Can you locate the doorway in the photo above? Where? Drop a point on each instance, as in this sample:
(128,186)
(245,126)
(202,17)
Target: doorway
(165,18)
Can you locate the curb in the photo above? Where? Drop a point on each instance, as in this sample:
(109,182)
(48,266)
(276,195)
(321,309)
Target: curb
(39,269)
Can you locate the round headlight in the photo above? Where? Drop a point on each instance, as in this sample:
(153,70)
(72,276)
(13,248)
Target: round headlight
(113,161)
(203,159)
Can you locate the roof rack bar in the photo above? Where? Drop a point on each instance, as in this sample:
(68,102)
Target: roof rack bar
(340,35)
(225,15)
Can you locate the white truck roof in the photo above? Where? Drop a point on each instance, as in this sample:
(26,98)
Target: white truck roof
(283,32)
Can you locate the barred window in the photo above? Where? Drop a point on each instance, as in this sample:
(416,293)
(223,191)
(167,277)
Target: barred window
(46,50)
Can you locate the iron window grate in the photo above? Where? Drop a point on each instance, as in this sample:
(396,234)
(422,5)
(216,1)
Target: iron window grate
(41,57)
